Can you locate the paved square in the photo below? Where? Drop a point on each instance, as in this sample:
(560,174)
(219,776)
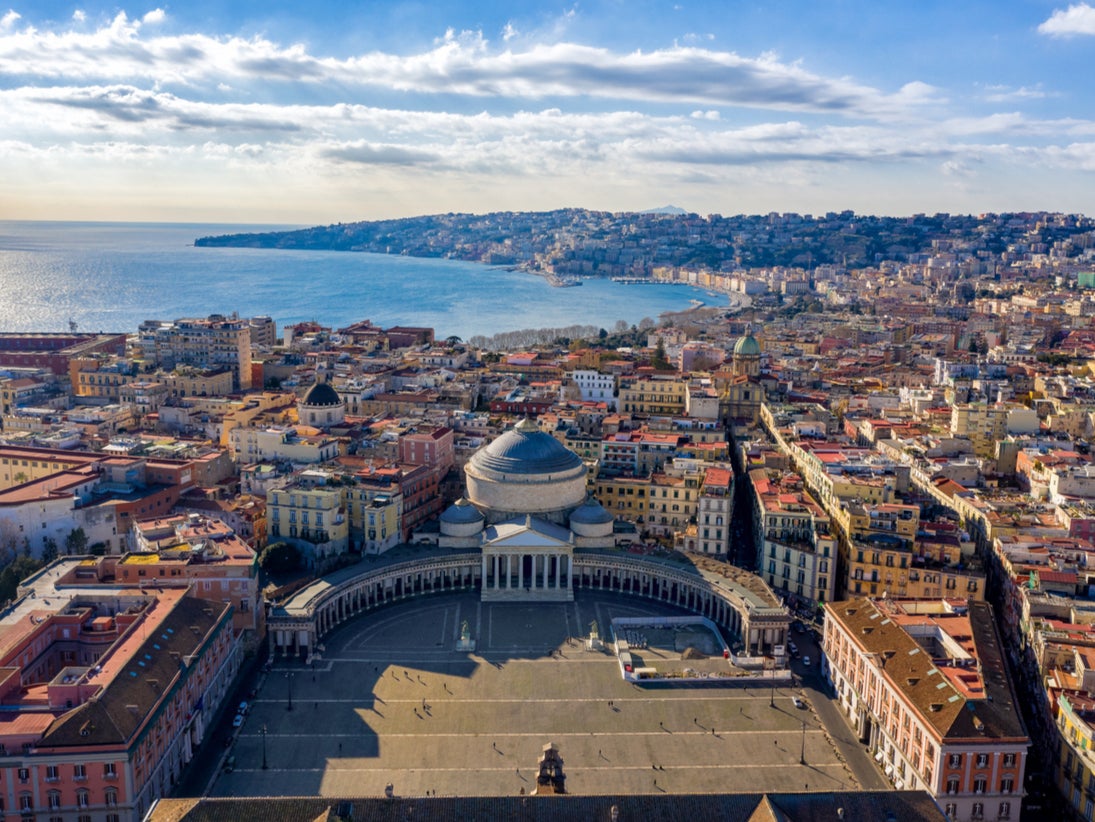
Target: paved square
(391,701)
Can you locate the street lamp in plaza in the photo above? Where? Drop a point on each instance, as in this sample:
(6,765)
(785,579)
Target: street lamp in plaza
(802,756)
(262,730)
(289,679)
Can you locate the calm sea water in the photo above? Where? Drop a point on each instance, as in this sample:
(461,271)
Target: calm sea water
(111,276)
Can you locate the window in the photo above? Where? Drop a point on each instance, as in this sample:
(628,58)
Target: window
(1005,810)
(954,761)
(79,772)
(952,785)
(1007,784)
(1009,760)
(51,773)
(978,811)
(979,784)
(26,802)
(110,797)
(54,799)
(982,760)
(24,775)
(83,798)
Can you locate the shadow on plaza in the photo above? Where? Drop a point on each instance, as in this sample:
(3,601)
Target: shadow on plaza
(328,714)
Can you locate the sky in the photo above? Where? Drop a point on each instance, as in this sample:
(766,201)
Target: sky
(321,112)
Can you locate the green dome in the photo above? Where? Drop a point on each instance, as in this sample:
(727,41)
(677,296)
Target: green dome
(747,346)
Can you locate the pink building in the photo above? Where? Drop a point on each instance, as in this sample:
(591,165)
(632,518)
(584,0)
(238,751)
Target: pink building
(104,695)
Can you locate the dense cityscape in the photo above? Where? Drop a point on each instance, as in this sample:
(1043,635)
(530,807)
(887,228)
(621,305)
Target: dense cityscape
(864,467)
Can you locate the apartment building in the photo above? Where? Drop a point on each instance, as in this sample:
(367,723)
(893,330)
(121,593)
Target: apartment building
(926,686)
(213,342)
(111,690)
(312,517)
(796,551)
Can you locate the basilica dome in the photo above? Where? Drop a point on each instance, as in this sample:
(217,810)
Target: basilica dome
(747,346)
(321,407)
(526,471)
(321,394)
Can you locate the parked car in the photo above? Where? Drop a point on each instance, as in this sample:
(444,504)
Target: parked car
(243,709)
(238,721)
(798,702)
(806,661)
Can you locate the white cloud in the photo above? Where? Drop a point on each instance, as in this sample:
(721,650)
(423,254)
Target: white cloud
(9,19)
(79,15)
(154,16)
(1076,19)
(710,114)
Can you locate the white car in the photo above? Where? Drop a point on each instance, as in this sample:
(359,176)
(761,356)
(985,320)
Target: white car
(798,703)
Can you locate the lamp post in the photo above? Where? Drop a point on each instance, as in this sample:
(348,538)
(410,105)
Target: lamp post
(802,755)
(262,730)
(289,678)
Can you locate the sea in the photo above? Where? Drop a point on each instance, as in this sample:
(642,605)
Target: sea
(112,276)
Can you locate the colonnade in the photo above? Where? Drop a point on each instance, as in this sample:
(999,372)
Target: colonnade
(295,627)
(540,576)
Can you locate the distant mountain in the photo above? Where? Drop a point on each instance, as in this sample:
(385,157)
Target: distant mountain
(575,242)
(666,209)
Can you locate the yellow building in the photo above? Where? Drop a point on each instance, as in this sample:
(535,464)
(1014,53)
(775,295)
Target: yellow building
(652,395)
(376,516)
(624,497)
(311,517)
(673,501)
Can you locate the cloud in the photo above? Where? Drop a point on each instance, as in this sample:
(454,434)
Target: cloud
(372,154)
(1076,19)
(154,16)
(79,16)
(1007,94)
(9,19)
(461,64)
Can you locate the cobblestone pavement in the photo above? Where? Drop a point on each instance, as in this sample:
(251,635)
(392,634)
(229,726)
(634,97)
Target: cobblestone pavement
(391,701)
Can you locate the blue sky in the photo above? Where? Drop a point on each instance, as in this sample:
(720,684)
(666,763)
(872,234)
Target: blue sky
(275,111)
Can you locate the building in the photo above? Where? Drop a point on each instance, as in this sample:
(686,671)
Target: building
(925,685)
(311,517)
(109,691)
(796,549)
(593,386)
(213,342)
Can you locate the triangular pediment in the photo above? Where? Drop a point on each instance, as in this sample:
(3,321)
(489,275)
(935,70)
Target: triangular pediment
(529,533)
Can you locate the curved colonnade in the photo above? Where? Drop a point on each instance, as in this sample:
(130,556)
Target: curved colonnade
(295,627)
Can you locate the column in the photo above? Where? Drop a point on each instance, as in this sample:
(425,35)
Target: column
(483,570)
(505,558)
(520,570)
(569,562)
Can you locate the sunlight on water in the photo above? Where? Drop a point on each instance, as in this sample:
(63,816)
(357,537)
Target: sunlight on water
(112,276)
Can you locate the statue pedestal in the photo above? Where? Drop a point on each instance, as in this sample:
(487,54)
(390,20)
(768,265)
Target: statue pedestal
(594,643)
(465,644)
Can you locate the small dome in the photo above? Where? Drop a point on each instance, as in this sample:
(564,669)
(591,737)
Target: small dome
(321,394)
(591,512)
(747,346)
(461,512)
(525,449)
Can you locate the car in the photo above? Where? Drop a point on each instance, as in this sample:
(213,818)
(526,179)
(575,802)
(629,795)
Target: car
(242,711)
(792,646)
(238,721)
(798,703)
(806,661)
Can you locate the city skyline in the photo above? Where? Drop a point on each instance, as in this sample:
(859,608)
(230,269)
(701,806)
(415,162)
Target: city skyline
(252,112)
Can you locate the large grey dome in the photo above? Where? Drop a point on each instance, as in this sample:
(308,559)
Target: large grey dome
(526,471)
(321,394)
(525,449)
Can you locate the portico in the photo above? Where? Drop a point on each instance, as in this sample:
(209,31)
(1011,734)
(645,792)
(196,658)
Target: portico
(529,560)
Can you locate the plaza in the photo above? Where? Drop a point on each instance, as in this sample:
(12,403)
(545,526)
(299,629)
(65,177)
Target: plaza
(390,701)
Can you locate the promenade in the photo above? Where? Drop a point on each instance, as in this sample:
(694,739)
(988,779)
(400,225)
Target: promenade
(390,701)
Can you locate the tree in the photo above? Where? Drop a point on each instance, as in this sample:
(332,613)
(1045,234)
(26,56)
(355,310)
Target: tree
(49,550)
(76,542)
(280,558)
(660,361)
(621,327)
(646,323)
